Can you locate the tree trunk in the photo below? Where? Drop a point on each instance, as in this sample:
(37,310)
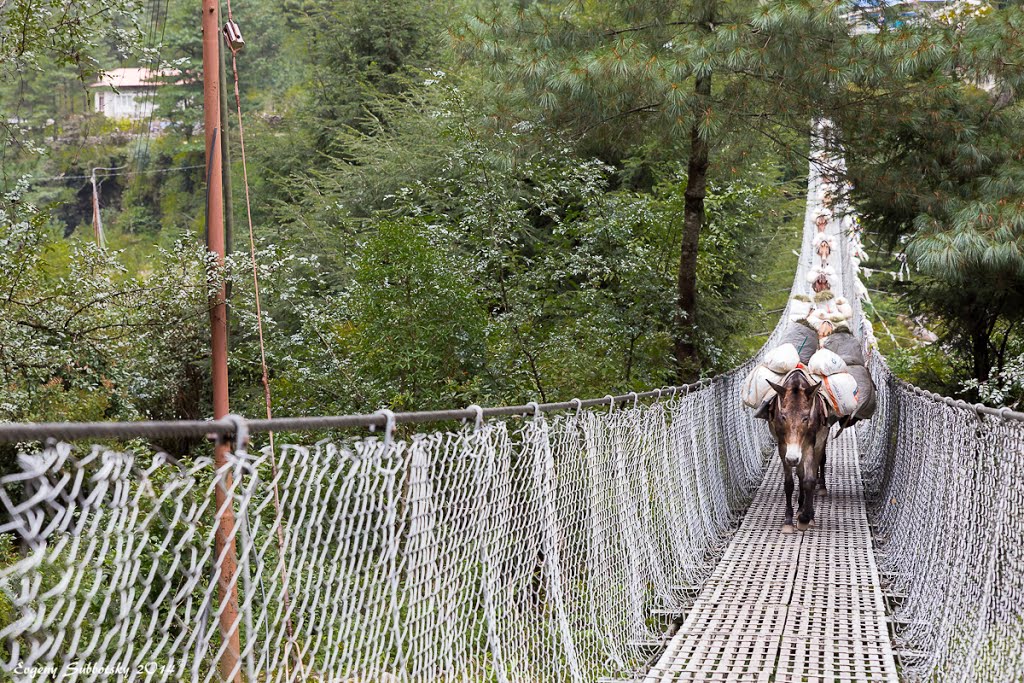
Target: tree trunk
(687,368)
(693,222)
(980,353)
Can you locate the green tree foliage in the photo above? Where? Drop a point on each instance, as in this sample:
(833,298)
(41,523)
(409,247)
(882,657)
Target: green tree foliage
(411,254)
(412,323)
(513,221)
(937,170)
(620,73)
(84,340)
(355,51)
(574,271)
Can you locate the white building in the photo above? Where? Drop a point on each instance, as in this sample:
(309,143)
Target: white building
(126,93)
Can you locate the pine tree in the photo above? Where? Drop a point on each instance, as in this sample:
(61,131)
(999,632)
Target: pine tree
(937,167)
(619,74)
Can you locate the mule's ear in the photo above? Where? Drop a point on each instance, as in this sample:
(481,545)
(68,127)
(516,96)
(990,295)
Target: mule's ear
(813,389)
(776,387)
(824,418)
(767,409)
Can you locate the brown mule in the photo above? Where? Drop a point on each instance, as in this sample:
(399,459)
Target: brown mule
(799,421)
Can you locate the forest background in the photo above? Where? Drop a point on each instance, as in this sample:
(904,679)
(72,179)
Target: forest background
(495,202)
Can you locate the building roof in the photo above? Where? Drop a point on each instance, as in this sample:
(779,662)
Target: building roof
(131,78)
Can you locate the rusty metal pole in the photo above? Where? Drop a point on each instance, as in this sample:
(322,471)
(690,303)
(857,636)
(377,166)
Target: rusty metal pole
(97,225)
(227,585)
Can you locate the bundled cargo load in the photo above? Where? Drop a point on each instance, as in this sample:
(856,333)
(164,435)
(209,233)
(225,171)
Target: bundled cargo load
(824,301)
(844,307)
(825,363)
(756,389)
(841,393)
(821,238)
(815,320)
(845,345)
(800,307)
(803,337)
(822,345)
(827,273)
(823,246)
(866,399)
(781,359)
(851,402)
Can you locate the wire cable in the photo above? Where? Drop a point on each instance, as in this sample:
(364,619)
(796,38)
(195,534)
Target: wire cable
(265,375)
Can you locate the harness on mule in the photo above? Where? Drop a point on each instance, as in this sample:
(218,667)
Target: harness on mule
(762,411)
(845,421)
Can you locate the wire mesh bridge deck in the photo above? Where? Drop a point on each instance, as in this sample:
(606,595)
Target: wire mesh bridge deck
(562,547)
(790,607)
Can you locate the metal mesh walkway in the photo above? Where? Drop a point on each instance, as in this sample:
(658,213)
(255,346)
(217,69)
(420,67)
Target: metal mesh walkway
(790,607)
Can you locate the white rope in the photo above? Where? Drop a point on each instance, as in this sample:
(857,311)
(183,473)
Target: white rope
(949,489)
(531,553)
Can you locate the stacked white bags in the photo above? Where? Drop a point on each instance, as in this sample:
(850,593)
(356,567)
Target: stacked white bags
(776,365)
(814,273)
(800,307)
(839,388)
(840,382)
(831,309)
(822,237)
(824,246)
(849,348)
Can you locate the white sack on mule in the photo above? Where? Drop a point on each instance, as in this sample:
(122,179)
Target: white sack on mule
(865,392)
(781,359)
(799,308)
(825,363)
(844,307)
(755,387)
(840,391)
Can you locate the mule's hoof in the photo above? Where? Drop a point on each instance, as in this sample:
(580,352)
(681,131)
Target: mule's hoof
(787,528)
(802,526)
(822,491)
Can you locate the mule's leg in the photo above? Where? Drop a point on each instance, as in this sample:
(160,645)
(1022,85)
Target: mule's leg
(821,474)
(808,484)
(787,484)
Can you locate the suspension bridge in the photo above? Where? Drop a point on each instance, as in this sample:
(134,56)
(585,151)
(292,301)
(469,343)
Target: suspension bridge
(634,537)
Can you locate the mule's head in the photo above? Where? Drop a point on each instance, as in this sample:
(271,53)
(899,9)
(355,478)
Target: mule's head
(796,415)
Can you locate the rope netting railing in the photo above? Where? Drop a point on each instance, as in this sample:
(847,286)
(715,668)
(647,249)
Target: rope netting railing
(947,484)
(535,552)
